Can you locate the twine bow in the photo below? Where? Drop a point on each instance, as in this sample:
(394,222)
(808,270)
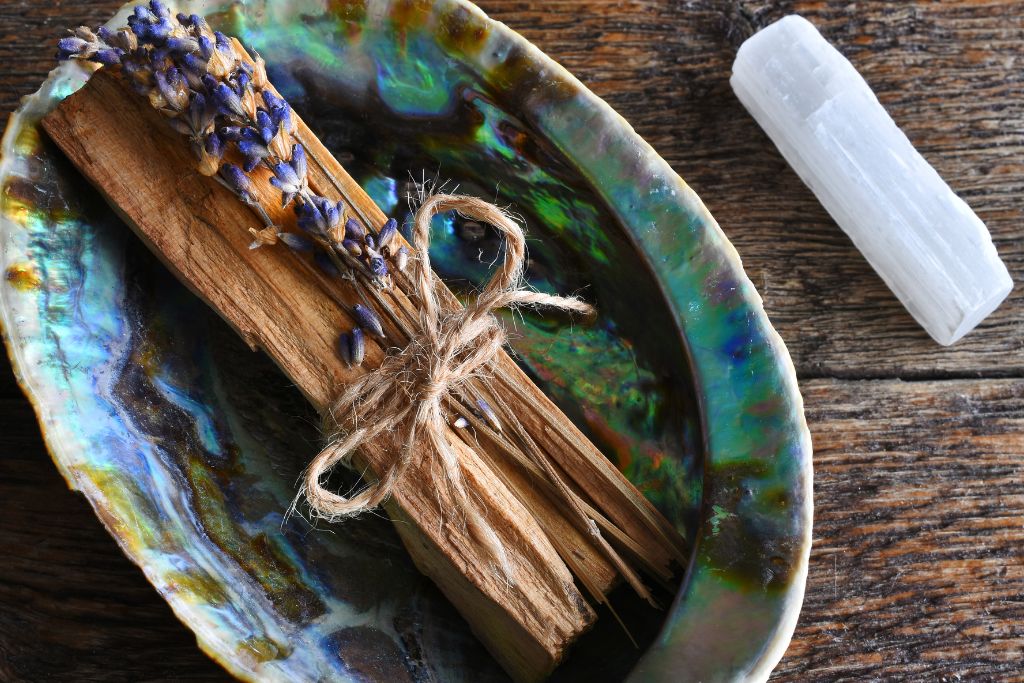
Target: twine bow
(408,392)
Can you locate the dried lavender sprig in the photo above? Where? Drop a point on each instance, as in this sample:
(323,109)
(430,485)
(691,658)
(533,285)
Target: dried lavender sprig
(198,79)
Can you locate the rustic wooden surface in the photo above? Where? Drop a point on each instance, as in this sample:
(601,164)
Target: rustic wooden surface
(917,571)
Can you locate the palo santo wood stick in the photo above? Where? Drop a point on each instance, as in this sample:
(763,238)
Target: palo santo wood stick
(557,436)
(198,228)
(279,302)
(543,423)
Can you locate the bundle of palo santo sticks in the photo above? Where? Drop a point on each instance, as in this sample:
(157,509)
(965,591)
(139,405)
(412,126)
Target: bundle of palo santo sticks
(185,137)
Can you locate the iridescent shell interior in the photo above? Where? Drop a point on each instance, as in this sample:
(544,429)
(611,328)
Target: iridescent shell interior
(189,446)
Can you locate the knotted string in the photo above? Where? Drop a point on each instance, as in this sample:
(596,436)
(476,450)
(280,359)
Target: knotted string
(408,392)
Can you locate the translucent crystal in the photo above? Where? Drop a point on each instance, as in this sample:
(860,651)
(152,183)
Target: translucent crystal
(925,242)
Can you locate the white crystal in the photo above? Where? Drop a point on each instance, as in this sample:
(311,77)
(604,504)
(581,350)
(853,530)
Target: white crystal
(929,247)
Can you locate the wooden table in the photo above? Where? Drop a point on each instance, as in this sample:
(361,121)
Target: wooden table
(918,562)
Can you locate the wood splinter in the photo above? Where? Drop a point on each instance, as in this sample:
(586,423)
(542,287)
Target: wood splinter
(535,482)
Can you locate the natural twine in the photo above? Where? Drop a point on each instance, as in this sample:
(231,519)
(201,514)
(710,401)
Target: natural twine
(407,393)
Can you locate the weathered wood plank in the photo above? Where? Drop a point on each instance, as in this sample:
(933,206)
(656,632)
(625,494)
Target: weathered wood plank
(917,568)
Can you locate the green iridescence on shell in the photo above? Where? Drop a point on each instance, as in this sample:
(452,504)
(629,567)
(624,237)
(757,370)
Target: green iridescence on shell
(149,406)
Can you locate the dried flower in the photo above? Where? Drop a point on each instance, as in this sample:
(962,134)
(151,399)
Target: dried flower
(368,320)
(319,216)
(265,237)
(353,247)
(378,266)
(173,89)
(387,233)
(295,242)
(352,347)
(290,177)
(353,230)
(237,181)
(213,95)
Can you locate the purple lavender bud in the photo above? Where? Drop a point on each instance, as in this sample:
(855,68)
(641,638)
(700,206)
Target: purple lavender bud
(353,247)
(139,28)
(387,233)
(172,87)
(368,320)
(183,19)
(200,114)
(285,175)
(158,58)
(332,212)
(105,34)
(232,133)
(295,242)
(70,47)
(159,9)
(311,218)
(228,101)
(299,161)
(278,109)
(223,42)
(378,266)
(272,101)
(251,146)
(251,162)
(214,145)
(283,116)
(108,56)
(238,181)
(354,231)
(266,126)
(242,83)
(370,242)
(284,179)
(352,347)
(193,68)
(205,47)
(160,30)
(182,45)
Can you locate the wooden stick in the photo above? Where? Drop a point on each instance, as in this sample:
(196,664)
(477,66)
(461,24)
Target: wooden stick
(277,302)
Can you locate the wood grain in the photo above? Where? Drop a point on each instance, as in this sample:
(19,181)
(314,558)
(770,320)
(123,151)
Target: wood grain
(916,568)
(918,556)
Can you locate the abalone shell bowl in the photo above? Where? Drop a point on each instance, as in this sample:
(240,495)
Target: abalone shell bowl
(188,446)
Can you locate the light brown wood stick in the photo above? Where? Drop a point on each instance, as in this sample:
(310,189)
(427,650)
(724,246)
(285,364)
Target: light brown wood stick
(545,424)
(279,303)
(199,229)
